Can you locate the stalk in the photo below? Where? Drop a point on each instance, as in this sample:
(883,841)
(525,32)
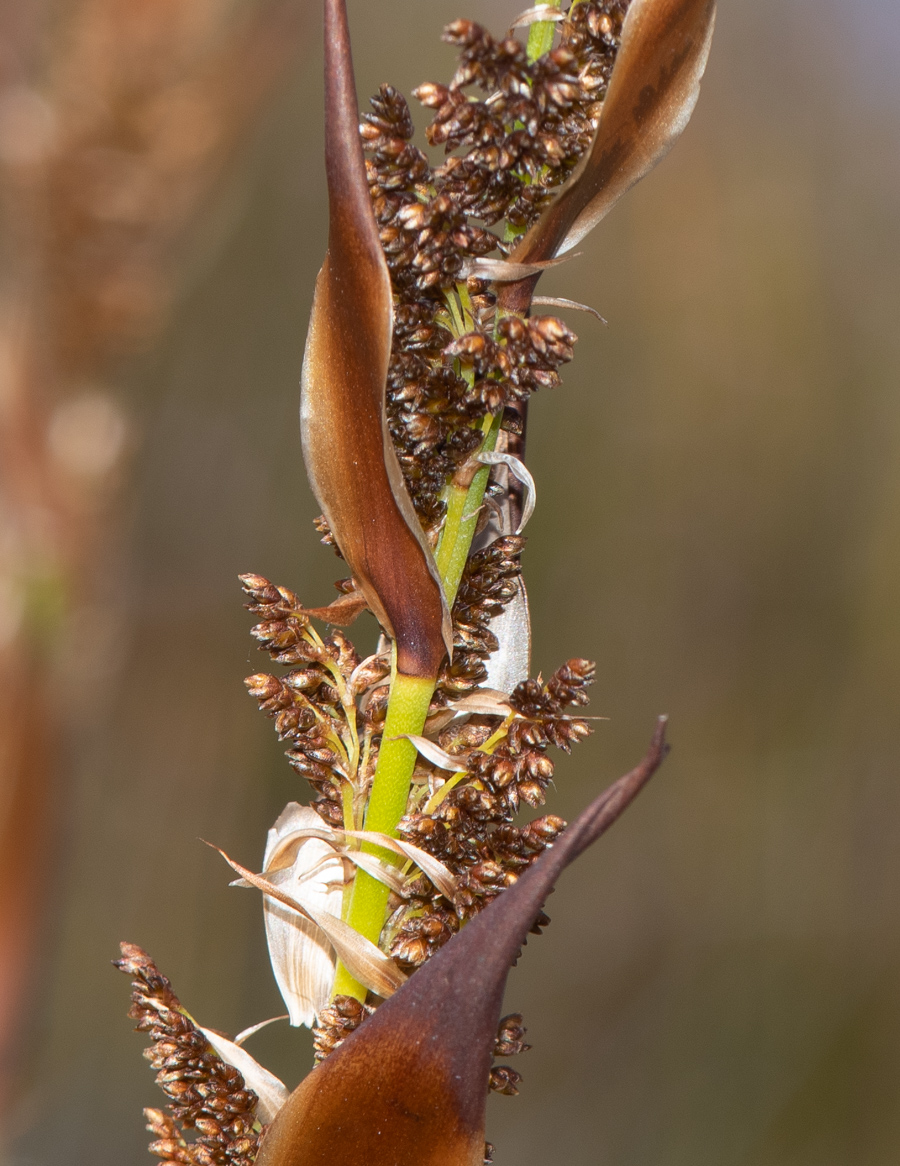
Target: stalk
(407,709)
(540,35)
(410,696)
(463,505)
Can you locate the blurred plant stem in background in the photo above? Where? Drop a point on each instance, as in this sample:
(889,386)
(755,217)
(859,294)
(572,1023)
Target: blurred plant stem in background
(118,122)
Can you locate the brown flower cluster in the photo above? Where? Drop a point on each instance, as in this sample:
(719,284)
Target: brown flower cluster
(514,148)
(207,1094)
(503,757)
(335,1023)
(538,117)
(320,707)
(504,763)
(509,1043)
(489,582)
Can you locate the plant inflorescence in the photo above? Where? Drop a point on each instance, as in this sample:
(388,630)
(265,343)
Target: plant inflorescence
(399,897)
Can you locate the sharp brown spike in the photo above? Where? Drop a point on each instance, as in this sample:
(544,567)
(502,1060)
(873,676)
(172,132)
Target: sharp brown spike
(417,1071)
(351,462)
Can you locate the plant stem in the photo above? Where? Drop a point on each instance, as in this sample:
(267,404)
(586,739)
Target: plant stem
(406,712)
(540,36)
(463,505)
(407,709)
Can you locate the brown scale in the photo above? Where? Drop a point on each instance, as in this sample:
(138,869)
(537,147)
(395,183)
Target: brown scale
(543,705)
(510,1037)
(523,358)
(321,525)
(420,936)
(504,1080)
(207,1094)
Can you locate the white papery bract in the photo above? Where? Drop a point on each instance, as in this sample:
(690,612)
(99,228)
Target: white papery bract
(303,960)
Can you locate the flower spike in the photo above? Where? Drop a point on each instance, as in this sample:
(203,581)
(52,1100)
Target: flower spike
(350,459)
(417,1070)
(409,878)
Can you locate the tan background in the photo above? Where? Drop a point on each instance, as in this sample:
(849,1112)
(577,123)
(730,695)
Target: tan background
(717,525)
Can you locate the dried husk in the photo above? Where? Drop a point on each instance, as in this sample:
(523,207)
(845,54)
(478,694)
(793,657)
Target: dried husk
(359,955)
(303,960)
(350,459)
(439,874)
(519,470)
(652,93)
(271,1092)
(510,664)
(409,1086)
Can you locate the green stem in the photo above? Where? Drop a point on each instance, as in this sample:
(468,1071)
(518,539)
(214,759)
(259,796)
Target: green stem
(407,709)
(540,36)
(463,505)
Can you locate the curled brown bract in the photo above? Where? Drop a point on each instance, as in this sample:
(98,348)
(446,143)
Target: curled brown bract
(652,93)
(352,466)
(409,1087)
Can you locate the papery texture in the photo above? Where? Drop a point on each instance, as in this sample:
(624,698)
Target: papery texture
(371,967)
(652,93)
(350,458)
(302,958)
(510,664)
(271,1092)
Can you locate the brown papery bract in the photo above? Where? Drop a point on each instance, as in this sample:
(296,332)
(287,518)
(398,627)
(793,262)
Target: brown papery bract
(651,96)
(350,459)
(408,1087)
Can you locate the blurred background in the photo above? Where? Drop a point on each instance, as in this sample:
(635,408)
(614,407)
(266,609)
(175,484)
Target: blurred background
(718,525)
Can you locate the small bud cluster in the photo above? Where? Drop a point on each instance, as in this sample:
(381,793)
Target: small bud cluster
(510,1042)
(335,1023)
(471,828)
(538,118)
(312,705)
(521,357)
(452,359)
(207,1094)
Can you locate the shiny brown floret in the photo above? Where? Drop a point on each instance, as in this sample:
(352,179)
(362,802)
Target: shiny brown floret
(336,1022)
(206,1093)
(515,146)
